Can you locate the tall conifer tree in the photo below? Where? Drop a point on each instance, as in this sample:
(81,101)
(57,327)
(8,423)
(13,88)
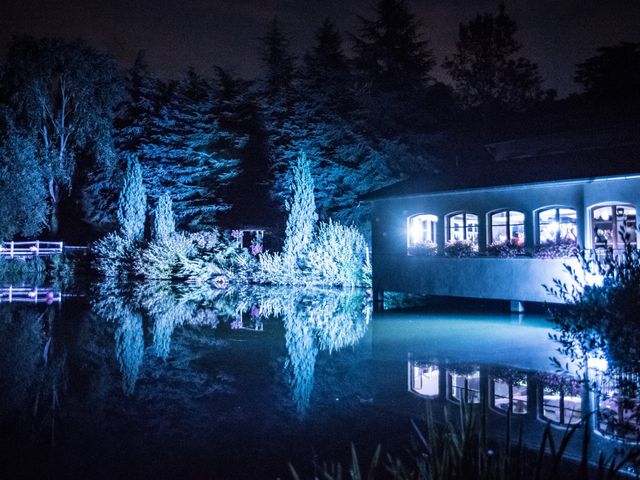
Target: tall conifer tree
(486,69)
(132,205)
(302,213)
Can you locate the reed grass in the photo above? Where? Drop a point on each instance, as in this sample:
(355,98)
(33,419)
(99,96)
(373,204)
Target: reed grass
(459,448)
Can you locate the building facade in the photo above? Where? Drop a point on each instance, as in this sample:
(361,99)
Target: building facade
(506,228)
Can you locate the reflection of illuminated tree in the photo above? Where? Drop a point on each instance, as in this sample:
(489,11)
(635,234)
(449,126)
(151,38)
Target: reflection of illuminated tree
(314,321)
(167,310)
(129,348)
(302,356)
(339,320)
(112,304)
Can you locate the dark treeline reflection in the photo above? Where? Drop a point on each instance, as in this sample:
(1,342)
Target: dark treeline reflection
(314,320)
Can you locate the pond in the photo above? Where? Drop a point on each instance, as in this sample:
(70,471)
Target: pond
(160,380)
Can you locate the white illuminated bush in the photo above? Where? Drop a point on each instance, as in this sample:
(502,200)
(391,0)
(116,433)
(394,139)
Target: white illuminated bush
(337,255)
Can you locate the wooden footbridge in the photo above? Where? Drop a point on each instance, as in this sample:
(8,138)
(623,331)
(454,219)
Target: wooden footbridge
(34,248)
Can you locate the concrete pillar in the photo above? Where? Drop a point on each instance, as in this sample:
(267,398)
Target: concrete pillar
(517,306)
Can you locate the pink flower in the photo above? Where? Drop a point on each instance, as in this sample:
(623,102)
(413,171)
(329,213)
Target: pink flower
(256,249)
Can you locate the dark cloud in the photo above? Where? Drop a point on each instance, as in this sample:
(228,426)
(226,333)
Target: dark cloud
(557,34)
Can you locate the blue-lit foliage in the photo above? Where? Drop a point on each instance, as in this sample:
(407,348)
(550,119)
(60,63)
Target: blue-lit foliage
(187,155)
(132,204)
(63,94)
(24,209)
(164,225)
(328,254)
(601,317)
(302,217)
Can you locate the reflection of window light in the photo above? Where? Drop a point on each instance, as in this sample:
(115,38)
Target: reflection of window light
(598,363)
(424,379)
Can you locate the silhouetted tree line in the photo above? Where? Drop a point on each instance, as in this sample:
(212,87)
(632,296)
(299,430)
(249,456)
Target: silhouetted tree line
(221,147)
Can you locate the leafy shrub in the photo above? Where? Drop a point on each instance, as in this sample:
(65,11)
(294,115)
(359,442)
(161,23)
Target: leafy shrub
(273,268)
(165,258)
(425,249)
(565,248)
(460,248)
(508,249)
(337,255)
(112,255)
(602,314)
(205,240)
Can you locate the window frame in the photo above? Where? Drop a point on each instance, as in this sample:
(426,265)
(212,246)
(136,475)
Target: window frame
(430,217)
(465,224)
(557,209)
(618,244)
(507,225)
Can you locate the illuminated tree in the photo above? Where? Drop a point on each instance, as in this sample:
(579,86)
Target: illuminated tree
(486,69)
(65,93)
(138,109)
(302,213)
(132,205)
(188,155)
(23,196)
(164,224)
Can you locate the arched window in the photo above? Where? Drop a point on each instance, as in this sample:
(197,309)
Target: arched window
(421,231)
(610,224)
(556,225)
(507,226)
(463,226)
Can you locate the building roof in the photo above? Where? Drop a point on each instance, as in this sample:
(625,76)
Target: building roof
(532,161)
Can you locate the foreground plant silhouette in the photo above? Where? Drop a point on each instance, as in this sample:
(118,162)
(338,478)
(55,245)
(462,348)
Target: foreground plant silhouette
(460,449)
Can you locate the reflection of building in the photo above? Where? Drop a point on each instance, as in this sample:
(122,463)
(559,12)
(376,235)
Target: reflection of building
(534,202)
(536,397)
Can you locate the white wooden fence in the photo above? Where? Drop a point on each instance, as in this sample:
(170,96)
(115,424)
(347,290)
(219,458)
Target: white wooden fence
(13,294)
(30,249)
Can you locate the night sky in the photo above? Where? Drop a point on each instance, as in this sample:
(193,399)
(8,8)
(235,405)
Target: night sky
(556,34)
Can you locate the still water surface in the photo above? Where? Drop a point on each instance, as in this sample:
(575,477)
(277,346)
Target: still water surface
(168,381)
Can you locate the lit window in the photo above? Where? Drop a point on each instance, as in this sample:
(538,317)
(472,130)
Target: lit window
(463,227)
(421,233)
(557,225)
(611,224)
(508,227)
